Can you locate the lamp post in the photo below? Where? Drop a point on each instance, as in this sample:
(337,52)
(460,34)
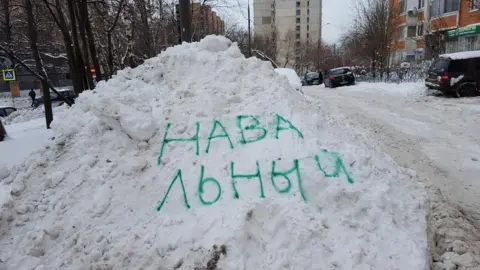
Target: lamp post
(318,44)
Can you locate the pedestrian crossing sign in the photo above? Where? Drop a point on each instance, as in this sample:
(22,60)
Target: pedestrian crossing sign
(9,75)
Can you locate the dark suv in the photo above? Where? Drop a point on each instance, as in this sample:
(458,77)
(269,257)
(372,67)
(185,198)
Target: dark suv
(456,74)
(339,76)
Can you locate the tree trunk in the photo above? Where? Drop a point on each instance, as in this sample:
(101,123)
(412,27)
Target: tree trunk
(32,32)
(110,52)
(79,63)
(7,27)
(91,40)
(83,37)
(146,27)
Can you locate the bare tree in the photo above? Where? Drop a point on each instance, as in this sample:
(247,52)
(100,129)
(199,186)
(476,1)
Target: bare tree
(434,41)
(374,33)
(287,51)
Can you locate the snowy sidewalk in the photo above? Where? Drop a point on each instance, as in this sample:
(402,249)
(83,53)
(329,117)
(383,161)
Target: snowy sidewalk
(23,139)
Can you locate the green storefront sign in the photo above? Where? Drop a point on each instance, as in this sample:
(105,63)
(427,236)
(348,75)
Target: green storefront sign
(462,31)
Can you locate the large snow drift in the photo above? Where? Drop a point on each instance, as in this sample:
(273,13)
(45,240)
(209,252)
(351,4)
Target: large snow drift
(256,178)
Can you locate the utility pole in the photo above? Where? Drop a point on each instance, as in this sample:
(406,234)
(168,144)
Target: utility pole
(334,54)
(185,20)
(249,32)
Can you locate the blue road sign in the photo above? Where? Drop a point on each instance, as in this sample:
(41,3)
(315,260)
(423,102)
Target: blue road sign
(9,75)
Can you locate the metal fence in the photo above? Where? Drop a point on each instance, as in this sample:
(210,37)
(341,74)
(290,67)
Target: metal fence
(396,74)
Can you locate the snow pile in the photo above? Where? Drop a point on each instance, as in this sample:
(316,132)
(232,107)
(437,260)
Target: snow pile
(250,169)
(292,77)
(24,115)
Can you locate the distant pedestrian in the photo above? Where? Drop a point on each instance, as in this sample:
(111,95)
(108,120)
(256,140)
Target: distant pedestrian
(32,95)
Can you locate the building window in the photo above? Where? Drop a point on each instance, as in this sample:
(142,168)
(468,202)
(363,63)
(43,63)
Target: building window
(451,5)
(402,32)
(308,19)
(420,29)
(403,6)
(439,7)
(421,4)
(308,27)
(470,43)
(273,6)
(412,31)
(308,35)
(297,36)
(298,12)
(308,11)
(297,44)
(308,3)
(298,4)
(266,20)
(297,20)
(297,28)
(474,5)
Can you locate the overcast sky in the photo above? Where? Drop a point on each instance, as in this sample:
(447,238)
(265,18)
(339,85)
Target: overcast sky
(338,13)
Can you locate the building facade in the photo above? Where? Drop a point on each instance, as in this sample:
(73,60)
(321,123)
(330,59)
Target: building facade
(291,25)
(427,28)
(205,21)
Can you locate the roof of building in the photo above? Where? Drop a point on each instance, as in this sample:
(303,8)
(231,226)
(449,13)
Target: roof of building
(462,55)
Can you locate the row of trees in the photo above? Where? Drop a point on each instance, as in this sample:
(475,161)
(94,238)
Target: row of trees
(376,36)
(109,34)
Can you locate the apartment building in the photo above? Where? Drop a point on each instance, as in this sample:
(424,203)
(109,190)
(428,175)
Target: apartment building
(426,28)
(292,24)
(205,21)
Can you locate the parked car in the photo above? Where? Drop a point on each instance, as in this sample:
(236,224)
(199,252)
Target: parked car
(456,74)
(3,133)
(56,100)
(339,76)
(312,78)
(6,111)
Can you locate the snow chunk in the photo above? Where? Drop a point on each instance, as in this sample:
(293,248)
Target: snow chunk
(455,80)
(212,43)
(292,77)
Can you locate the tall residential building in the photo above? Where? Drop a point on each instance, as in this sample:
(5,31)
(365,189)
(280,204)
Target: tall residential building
(205,21)
(426,28)
(291,26)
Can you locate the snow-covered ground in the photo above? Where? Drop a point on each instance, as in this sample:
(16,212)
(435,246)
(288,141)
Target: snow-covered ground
(435,136)
(23,139)
(199,158)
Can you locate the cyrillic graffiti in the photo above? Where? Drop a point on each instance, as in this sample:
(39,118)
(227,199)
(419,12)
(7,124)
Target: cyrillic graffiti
(251,131)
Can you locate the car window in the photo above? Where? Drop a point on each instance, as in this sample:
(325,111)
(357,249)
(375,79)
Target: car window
(439,65)
(9,111)
(477,64)
(2,113)
(458,65)
(339,71)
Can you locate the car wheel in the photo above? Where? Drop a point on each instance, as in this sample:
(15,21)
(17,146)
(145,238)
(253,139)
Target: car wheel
(467,90)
